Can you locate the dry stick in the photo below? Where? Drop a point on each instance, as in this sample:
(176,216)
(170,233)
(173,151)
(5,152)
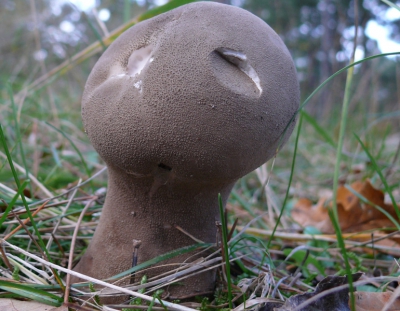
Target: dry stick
(324,237)
(263,177)
(188,234)
(58,244)
(167,280)
(31,237)
(3,253)
(209,262)
(136,245)
(173,306)
(92,224)
(72,248)
(373,240)
(62,216)
(5,258)
(24,222)
(135,307)
(19,212)
(34,242)
(71,189)
(58,237)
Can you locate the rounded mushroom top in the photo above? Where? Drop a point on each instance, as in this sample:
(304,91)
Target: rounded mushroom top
(204,91)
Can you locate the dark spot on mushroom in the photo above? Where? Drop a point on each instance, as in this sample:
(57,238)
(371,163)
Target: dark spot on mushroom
(165,167)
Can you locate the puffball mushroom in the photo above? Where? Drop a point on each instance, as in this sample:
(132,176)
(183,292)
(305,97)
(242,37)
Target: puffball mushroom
(180,107)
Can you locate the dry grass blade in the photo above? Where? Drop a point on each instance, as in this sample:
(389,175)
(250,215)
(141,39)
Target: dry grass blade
(72,249)
(176,275)
(24,222)
(78,58)
(33,178)
(392,299)
(172,306)
(64,210)
(71,189)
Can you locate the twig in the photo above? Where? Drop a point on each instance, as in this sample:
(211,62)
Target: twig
(136,245)
(188,234)
(5,258)
(72,248)
(23,211)
(175,277)
(21,224)
(24,222)
(71,189)
(64,210)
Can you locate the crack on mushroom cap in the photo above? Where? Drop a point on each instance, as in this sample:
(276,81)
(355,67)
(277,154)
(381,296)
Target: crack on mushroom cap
(139,60)
(241,61)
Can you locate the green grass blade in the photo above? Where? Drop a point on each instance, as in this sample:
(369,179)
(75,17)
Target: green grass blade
(307,100)
(319,129)
(290,181)
(382,177)
(31,293)
(248,208)
(16,179)
(180,251)
(96,33)
(303,259)
(226,249)
(73,146)
(333,211)
(18,132)
(391,4)
(127,11)
(13,201)
(163,8)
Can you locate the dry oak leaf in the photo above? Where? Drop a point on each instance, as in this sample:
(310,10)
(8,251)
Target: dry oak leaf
(354,215)
(367,301)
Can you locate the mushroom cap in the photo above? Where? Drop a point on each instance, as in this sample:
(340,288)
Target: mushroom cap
(204,91)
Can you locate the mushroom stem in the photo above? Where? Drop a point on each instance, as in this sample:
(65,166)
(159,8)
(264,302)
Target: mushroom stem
(135,211)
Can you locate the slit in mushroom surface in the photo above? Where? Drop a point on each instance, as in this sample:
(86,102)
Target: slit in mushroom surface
(241,61)
(161,175)
(139,59)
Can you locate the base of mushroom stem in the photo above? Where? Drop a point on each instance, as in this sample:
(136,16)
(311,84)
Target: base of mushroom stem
(202,284)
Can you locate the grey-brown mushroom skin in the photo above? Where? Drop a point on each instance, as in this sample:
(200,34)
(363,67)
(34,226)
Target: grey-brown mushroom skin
(179,107)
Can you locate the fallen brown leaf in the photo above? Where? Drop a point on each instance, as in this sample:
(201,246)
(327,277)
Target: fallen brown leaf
(354,215)
(367,301)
